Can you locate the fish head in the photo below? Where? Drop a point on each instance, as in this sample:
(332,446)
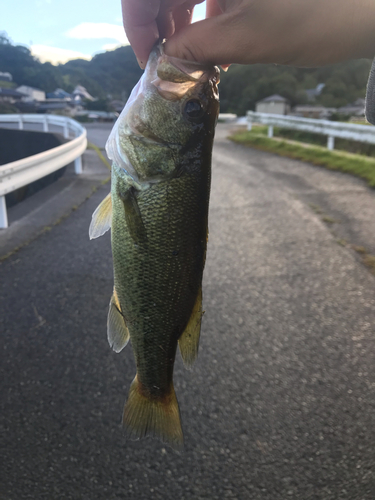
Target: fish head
(169,117)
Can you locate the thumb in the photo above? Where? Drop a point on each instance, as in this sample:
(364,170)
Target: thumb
(215,40)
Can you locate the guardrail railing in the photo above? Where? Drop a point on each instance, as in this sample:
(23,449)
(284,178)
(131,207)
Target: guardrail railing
(352,131)
(19,173)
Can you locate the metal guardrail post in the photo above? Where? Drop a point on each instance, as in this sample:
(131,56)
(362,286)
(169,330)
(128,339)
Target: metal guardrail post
(331,142)
(66,129)
(20,123)
(270,131)
(3,213)
(78,165)
(45,124)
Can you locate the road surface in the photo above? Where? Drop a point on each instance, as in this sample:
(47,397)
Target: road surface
(281,402)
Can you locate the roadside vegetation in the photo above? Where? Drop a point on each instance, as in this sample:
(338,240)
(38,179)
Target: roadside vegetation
(342,160)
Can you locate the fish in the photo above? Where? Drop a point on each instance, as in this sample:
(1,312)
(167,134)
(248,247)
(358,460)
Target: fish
(157,210)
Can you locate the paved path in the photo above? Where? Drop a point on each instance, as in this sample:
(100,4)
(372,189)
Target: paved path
(281,401)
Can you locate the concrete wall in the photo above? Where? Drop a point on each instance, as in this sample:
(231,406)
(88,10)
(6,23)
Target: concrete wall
(18,144)
(276,108)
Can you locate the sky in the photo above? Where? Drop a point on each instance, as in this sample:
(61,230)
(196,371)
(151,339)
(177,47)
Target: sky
(57,31)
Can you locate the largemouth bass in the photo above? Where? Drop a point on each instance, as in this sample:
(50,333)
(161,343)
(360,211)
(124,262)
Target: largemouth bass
(157,209)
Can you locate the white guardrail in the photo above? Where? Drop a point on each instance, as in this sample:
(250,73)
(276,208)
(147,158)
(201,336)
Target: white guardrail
(352,131)
(19,173)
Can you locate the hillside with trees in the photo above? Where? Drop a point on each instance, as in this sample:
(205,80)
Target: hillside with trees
(114,73)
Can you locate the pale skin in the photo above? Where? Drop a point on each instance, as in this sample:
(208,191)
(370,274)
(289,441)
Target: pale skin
(303,33)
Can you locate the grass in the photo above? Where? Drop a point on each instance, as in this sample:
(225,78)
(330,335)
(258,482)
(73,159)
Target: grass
(360,148)
(329,220)
(367,258)
(90,145)
(358,165)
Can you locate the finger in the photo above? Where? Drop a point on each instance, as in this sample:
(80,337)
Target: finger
(165,23)
(183,15)
(212,8)
(139,18)
(214,41)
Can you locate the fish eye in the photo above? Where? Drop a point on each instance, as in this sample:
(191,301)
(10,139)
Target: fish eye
(193,109)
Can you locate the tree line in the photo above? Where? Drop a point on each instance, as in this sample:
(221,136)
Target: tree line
(113,74)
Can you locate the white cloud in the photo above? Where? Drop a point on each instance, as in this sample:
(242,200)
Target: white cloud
(111,46)
(55,55)
(89,31)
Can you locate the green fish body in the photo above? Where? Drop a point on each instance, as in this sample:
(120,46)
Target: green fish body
(158,213)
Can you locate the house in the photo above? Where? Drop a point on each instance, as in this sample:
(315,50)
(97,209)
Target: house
(81,92)
(309,111)
(32,93)
(312,94)
(357,108)
(275,104)
(60,94)
(5,76)
(117,105)
(10,95)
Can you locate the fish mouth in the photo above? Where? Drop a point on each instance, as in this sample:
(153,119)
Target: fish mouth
(174,77)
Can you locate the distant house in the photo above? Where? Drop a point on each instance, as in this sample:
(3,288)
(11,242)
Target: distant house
(355,109)
(117,105)
(5,76)
(32,93)
(10,95)
(275,104)
(309,111)
(60,94)
(312,94)
(81,92)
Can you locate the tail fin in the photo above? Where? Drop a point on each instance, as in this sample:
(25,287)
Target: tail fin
(158,418)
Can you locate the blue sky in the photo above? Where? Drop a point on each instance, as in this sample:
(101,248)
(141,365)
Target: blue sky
(61,30)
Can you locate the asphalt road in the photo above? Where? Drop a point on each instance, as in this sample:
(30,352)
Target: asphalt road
(280,403)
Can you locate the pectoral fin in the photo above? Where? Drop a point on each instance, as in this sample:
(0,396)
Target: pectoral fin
(117,331)
(189,340)
(133,216)
(101,218)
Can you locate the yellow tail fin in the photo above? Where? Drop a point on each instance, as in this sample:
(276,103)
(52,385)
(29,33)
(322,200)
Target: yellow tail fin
(158,418)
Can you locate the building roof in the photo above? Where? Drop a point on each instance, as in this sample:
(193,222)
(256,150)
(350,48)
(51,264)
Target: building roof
(5,75)
(28,87)
(10,93)
(59,94)
(81,91)
(53,105)
(274,98)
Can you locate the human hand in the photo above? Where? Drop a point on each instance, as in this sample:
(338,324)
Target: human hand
(147,21)
(294,32)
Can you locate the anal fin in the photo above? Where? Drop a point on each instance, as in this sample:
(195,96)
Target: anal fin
(189,340)
(102,218)
(117,331)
